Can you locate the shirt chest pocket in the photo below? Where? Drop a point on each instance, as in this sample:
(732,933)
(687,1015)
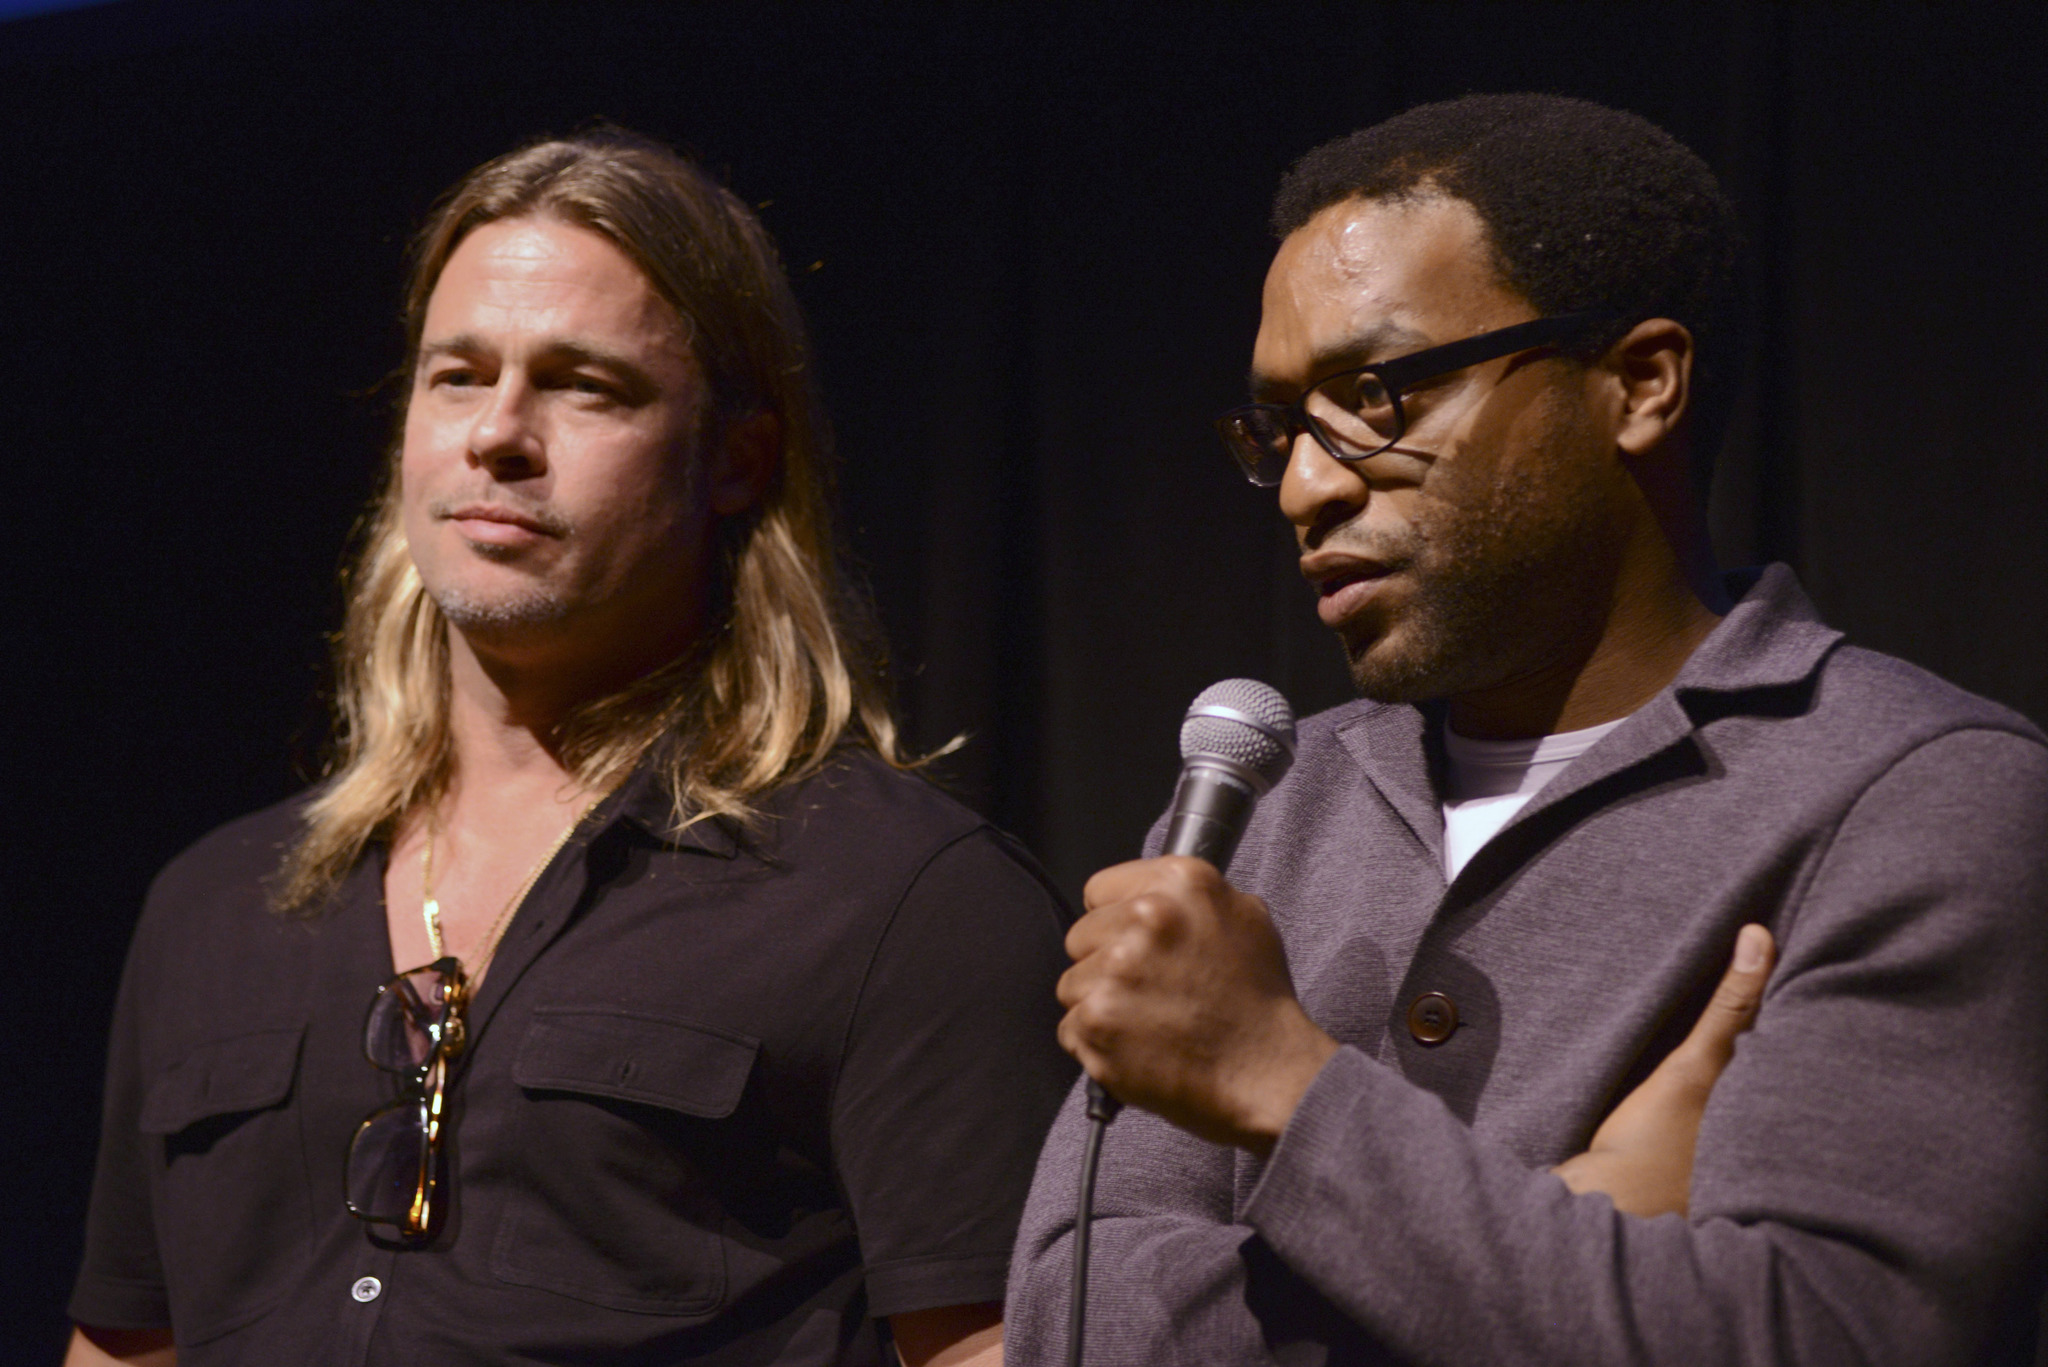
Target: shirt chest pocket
(618,1199)
(230,1198)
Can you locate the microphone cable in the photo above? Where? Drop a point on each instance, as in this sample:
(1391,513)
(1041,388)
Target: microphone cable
(1102,1108)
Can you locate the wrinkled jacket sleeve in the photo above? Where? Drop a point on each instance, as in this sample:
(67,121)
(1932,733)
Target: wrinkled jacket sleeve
(1868,1185)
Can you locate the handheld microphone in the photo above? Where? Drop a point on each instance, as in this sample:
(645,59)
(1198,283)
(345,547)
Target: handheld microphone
(1236,742)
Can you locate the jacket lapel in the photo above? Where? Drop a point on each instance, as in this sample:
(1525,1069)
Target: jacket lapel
(1772,639)
(1393,746)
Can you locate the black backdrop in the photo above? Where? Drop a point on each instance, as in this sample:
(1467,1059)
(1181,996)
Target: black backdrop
(1030,240)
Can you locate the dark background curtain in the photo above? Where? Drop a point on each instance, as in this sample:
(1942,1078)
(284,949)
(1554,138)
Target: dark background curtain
(1030,239)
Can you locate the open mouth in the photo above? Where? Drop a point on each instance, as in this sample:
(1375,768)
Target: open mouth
(1337,583)
(1344,584)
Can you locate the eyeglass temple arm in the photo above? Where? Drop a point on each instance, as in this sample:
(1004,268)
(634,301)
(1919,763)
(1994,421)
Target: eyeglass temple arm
(1403,371)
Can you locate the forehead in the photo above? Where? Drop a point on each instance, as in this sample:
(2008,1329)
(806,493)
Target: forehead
(1368,279)
(543,276)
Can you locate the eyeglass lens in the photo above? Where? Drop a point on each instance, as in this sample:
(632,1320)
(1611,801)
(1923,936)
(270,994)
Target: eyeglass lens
(406,1019)
(1352,414)
(1260,439)
(388,1160)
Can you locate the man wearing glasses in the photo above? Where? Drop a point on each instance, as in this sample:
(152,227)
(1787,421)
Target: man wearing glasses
(706,1032)
(1495,350)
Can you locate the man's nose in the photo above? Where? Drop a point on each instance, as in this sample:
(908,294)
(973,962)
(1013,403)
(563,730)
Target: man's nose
(1318,491)
(504,439)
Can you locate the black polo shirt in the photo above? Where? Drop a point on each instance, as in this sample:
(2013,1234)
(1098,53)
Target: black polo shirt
(726,1097)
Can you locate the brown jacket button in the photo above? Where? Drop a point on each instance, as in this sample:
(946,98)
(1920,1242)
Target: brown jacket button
(1432,1017)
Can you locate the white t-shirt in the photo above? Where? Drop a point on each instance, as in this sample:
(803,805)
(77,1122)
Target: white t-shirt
(1490,780)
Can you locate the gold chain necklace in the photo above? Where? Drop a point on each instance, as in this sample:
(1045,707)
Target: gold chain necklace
(430,907)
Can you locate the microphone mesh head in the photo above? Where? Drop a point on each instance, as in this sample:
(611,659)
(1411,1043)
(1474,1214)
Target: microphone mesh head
(1244,721)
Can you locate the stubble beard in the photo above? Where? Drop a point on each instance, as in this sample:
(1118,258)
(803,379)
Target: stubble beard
(506,610)
(1499,586)
(1458,630)
(501,612)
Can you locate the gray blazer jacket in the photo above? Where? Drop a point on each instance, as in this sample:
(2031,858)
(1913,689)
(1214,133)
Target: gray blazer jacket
(1871,1182)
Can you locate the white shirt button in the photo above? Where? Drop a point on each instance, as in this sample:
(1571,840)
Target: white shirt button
(367,1290)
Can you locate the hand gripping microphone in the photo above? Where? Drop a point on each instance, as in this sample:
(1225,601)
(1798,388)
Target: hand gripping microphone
(1235,744)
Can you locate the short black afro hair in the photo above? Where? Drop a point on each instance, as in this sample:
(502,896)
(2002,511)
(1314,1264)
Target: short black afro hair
(1585,207)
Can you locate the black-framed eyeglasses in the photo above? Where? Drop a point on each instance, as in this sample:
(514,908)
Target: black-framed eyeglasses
(414,1028)
(1357,413)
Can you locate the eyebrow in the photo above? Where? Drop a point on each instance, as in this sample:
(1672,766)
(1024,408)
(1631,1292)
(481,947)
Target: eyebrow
(461,344)
(1385,339)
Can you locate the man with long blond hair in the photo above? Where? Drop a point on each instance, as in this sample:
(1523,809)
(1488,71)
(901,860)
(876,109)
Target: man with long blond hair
(687,1054)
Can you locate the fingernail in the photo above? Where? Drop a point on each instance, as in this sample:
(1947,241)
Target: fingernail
(1749,948)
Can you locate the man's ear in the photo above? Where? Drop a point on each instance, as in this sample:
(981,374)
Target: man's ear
(1646,377)
(1652,369)
(748,456)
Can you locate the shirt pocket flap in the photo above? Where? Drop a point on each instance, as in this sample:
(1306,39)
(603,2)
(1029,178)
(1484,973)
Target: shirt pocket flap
(681,1066)
(250,1072)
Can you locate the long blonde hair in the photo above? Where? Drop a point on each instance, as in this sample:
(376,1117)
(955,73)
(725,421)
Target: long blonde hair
(789,667)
